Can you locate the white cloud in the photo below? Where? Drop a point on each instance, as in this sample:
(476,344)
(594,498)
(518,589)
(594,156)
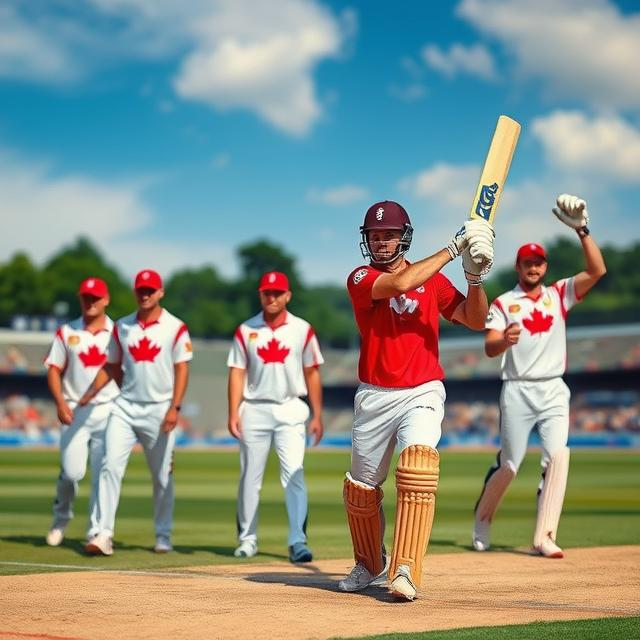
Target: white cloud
(41,212)
(578,49)
(475,60)
(338,196)
(605,147)
(231,54)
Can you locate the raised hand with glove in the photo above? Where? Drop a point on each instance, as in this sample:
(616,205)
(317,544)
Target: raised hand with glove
(474,242)
(573,212)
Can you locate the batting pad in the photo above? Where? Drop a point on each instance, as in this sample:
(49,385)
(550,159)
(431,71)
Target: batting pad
(494,489)
(416,482)
(363,503)
(552,497)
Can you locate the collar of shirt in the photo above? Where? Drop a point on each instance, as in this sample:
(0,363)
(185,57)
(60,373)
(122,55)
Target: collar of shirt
(519,292)
(144,325)
(274,326)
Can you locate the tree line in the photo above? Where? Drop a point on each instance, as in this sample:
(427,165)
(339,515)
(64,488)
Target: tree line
(212,306)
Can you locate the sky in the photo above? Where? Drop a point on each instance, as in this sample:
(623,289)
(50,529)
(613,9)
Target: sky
(170,132)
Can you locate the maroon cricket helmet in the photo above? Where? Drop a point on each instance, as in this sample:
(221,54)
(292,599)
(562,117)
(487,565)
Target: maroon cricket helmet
(382,216)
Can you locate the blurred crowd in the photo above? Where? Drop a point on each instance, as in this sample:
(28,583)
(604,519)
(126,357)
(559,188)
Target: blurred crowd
(592,412)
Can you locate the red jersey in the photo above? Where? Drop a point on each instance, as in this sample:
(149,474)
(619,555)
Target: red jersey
(400,335)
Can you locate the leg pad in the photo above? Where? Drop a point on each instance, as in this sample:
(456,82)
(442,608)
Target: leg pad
(417,477)
(552,497)
(494,489)
(363,503)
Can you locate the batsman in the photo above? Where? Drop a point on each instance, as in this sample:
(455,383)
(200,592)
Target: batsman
(400,399)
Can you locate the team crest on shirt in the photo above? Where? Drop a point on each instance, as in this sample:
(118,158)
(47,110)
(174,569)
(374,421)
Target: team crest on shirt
(188,347)
(72,341)
(253,335)
(514,308)
(547,301)
(420,289)
(402,304)
(359,274)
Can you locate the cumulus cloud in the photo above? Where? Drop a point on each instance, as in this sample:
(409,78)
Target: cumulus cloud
(230,54)
(607,146)
(338,196)
(475,60)
(578,49)
(43,211)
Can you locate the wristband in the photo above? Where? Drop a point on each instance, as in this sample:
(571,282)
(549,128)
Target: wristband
(177,407)
(583,232)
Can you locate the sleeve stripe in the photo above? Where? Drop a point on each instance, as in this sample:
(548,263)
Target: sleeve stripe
(116,336)
(181,330)
(310,334)
(240,339)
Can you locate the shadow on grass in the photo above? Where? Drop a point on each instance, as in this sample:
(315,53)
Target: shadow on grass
(77,545)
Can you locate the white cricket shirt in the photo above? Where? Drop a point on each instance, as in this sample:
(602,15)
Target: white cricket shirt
(79,354)
(274,358)
(148,353)
(541,351)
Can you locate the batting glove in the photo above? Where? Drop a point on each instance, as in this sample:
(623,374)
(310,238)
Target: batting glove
(572,211)
(471,230)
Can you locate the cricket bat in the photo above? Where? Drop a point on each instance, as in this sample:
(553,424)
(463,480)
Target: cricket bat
(495,170)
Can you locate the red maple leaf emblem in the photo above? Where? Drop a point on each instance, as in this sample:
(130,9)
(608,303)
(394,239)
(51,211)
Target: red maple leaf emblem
(144,351)
(92,357)
(272,352)
(538,322)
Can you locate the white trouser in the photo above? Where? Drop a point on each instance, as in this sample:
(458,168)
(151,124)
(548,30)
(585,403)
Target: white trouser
(83,438)
(385,417)
(284,425)
(129,423)
(523,404)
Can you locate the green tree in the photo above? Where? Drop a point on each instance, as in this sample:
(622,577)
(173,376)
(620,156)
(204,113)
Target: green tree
(22,290)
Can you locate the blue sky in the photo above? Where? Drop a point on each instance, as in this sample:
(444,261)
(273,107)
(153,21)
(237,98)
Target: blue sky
(172,131)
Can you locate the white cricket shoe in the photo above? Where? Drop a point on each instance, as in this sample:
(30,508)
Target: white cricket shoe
(549,549)
(55,537)
(163,545)
(481,535)
(101,545)
(402,585)
(247,549)
(360,578)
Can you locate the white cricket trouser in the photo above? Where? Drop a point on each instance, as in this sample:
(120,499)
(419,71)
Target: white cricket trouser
(385,417)
(525,403)
(83,438)
(284,425)
(129,423)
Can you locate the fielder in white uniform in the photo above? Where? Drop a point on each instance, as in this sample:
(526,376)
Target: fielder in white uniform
(274,360)
(527,327)
(78,351)
(152,349)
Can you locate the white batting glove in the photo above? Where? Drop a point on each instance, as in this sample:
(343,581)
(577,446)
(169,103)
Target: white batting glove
(470,230)
(572,211)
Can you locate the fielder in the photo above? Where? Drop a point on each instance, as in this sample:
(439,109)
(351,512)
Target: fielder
(151,349)
(400,400)
(527,326)
(78,351)
(274,360)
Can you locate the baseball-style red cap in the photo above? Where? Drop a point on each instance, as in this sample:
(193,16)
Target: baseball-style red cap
(94,287)
(274,281)
(531,250)
(148,279)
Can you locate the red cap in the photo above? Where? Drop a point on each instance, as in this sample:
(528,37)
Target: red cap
(148,279)
(94,287)
(531,250)
(274,281)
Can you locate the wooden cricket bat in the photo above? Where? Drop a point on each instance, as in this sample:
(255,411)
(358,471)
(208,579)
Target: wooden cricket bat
(495,170)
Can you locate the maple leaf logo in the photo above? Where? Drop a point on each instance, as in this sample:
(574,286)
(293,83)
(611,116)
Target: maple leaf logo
(92,357)
(538,322)
(272,352)
(144,351)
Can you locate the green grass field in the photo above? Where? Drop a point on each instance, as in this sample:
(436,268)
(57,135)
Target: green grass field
(602,507)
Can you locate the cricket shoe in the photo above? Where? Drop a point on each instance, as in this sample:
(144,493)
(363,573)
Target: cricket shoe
(101,545)
(299,552)
(402,586)
(247,549)
(481,535)
(163,544)
(55,536)
(360,578)
(549,549)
